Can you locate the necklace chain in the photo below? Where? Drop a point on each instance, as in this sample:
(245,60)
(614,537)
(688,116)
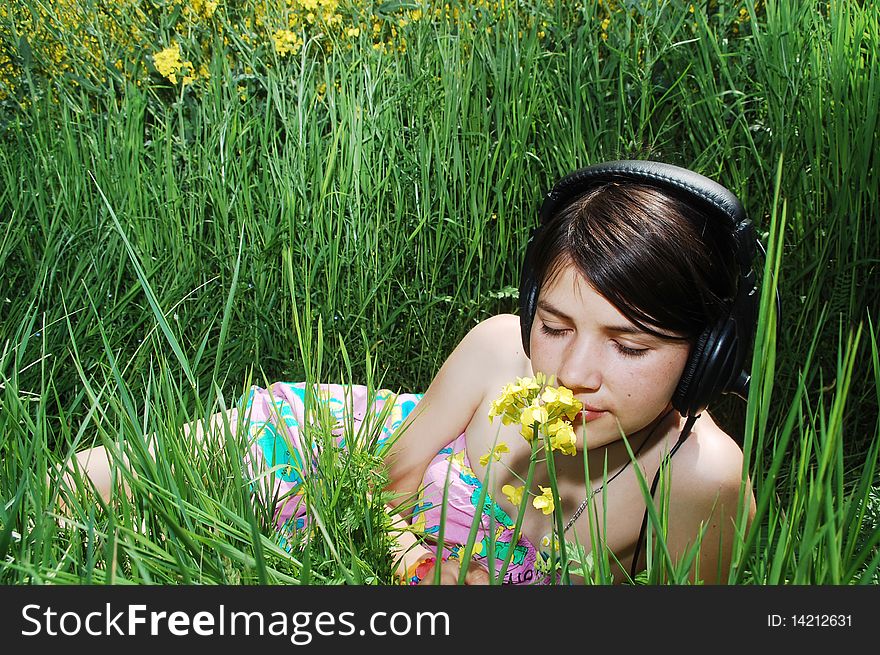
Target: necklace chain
(583,506)
(589,497)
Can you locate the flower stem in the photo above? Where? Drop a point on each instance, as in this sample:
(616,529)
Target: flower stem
(521,512)
(557,513)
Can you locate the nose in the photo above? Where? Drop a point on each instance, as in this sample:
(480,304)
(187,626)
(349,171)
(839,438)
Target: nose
(581,368)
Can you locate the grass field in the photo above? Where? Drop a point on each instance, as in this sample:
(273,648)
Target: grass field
(199,196)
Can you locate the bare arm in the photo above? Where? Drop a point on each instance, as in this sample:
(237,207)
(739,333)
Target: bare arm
(443,414)
(97,466)
(447,407)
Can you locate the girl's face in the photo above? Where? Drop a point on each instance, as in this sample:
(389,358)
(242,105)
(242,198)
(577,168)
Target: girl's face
(620,373)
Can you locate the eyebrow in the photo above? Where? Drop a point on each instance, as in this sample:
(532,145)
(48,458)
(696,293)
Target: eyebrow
(626,328)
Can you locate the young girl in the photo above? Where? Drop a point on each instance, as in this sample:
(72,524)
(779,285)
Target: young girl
(637,295)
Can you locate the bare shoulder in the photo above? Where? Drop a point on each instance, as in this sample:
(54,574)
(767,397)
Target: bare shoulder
(709,465)
(498,336)
(705,502)
(489,354)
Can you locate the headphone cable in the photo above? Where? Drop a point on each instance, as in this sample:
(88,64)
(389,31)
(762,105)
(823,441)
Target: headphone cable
(689,424)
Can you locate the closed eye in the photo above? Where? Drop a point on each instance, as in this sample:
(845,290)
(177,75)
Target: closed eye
(626,351)
(630,352)
(551,332)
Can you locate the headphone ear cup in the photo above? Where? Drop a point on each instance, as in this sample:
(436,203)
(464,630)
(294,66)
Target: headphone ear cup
(723,362)
(681,398)
(711,369)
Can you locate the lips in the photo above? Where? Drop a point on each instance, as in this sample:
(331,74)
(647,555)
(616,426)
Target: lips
(589,413)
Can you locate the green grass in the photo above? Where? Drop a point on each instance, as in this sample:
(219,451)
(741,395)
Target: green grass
(160,251)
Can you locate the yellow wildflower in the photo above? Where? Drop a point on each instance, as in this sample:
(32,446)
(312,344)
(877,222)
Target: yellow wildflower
(514,494)
(544,502)
(546,541)
(286,42)
(495,453)
(532,414)
(168,62)
(513,396)
(561,401)
(208,8)
(562,437)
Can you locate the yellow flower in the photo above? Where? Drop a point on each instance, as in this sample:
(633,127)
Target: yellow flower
(514,396)
(530,400)
(539,380)
(562,437)
(168,62)
(546,541)
(561,400)
(532,414)
(544,502)
(514,494)
(495,453)
(550,395)
(286,42)
(504,404)
(353,32)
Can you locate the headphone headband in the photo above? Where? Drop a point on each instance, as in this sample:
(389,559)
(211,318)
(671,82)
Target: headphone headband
(675,180)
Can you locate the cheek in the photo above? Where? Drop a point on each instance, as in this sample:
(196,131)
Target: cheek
(539,360)
(652,378)
(659,378)
(536,349)
(545,353)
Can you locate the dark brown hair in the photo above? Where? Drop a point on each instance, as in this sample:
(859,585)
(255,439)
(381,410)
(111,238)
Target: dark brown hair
(664,264)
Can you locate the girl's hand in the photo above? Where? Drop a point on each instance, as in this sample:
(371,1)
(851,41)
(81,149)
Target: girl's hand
(449,572)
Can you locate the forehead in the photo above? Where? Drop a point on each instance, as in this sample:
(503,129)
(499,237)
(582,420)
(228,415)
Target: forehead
(568,291)
(570,296)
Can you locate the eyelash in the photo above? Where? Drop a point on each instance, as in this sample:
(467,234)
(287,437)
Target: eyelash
(630,352)
(623,350)
(551,332)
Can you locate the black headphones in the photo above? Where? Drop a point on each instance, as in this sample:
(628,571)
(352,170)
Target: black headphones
(716,364)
